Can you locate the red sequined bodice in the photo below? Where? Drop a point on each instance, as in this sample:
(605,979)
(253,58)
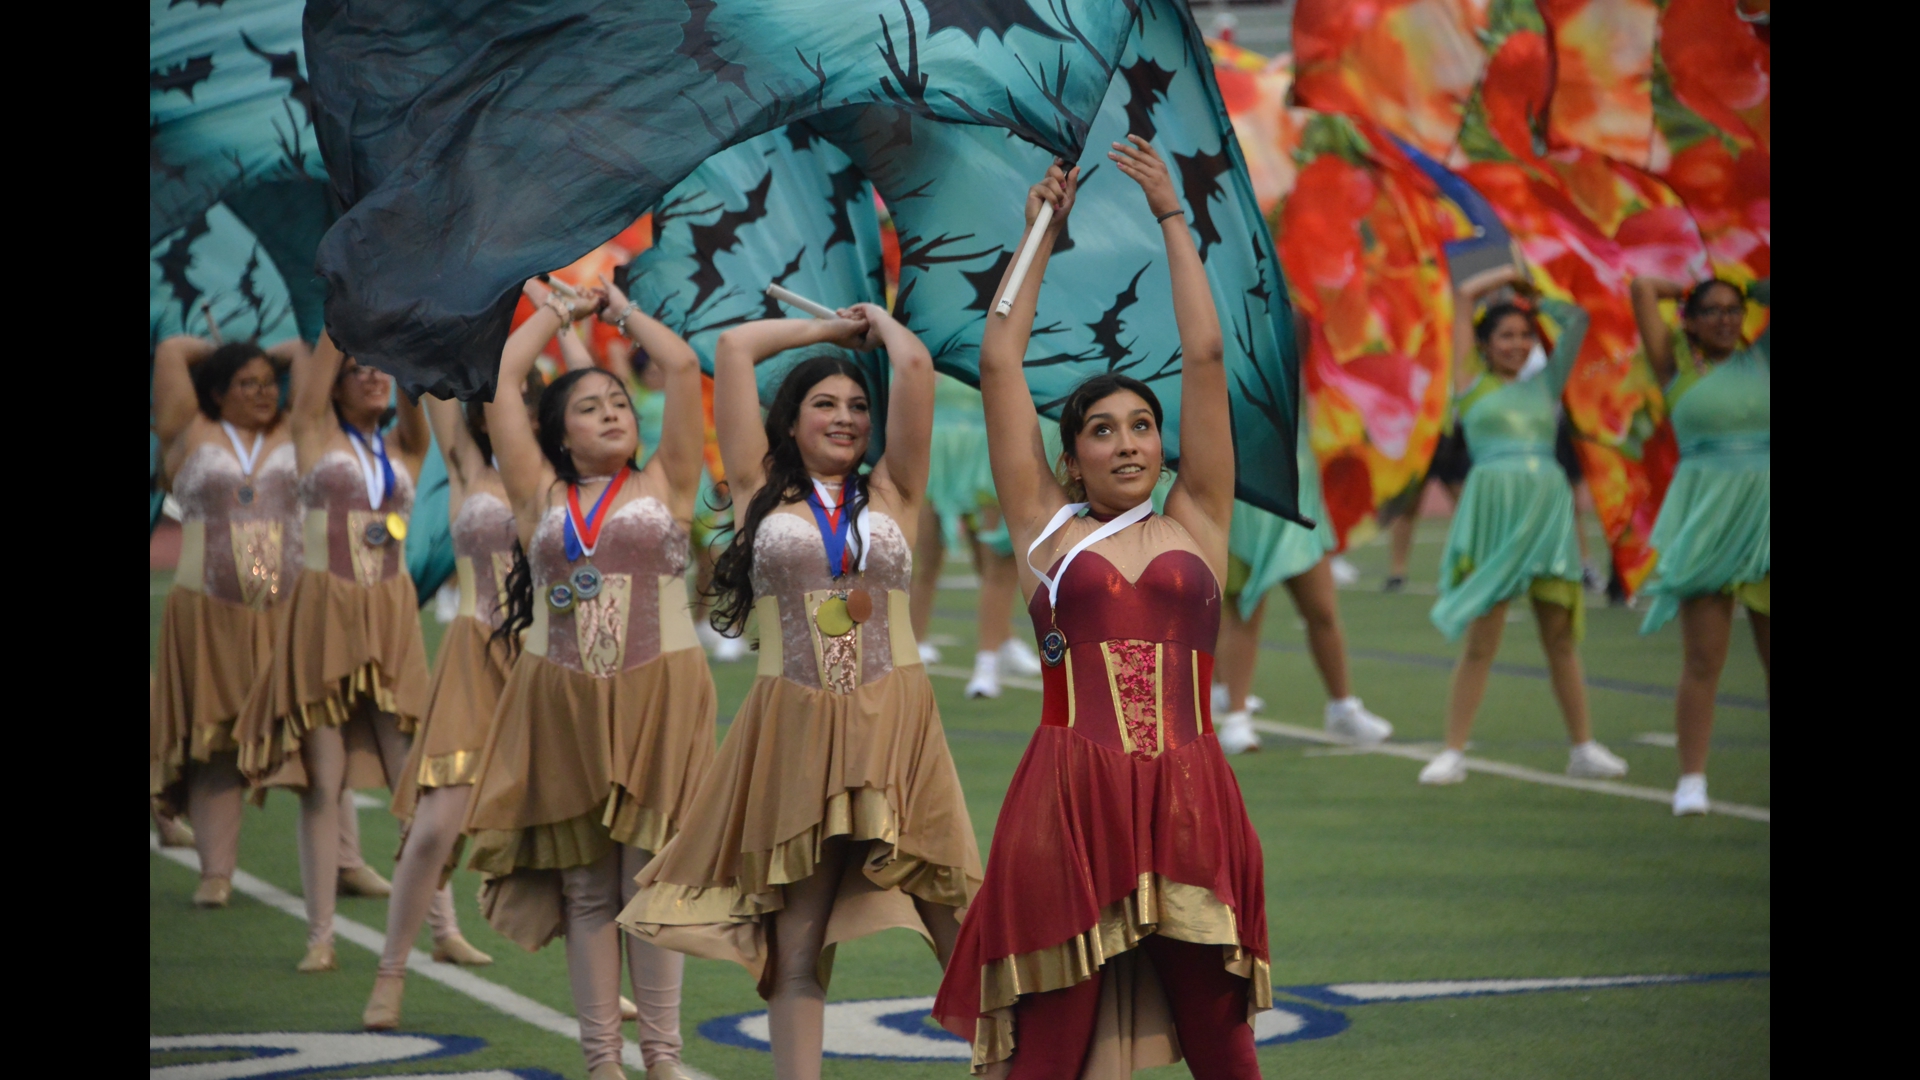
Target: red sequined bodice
(1138,671)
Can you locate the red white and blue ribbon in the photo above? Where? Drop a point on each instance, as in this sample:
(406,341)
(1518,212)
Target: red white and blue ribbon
(581,532)
(830,515)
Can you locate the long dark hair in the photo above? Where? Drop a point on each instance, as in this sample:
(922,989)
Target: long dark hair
(214,375)
(1073,417)
(787,481)
(551,416)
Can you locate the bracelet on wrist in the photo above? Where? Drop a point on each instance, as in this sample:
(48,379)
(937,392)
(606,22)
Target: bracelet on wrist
(1158,218)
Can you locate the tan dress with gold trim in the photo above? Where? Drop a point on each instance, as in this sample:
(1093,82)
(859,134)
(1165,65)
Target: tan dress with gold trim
(472,667)
(237,562)
(604,727)
(840,736)
(348,634)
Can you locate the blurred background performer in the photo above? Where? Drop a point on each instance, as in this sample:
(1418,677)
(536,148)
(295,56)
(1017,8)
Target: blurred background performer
(1513,531)
(606,721)
(1262,550)
(960,509)
(228,458)
(1124,825)
(349,674)
(834,797)
(1714,534)
(468,675)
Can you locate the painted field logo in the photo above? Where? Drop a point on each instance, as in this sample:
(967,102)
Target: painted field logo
(898,1029)
(267,1055)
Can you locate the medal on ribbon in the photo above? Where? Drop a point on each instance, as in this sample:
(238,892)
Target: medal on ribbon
(839,613)
(248,458)
(379,481)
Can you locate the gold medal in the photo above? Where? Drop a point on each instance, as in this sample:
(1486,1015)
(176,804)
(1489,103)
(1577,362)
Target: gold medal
(396,526)
(832,618)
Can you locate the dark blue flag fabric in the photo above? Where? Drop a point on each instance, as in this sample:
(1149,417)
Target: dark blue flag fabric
(786,208)
(478,143)
(238,201)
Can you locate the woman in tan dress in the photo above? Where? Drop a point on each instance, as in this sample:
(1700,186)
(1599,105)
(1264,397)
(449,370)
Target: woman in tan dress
(468,676)
(606,720)
(348,677)
(833,810)
(229,462)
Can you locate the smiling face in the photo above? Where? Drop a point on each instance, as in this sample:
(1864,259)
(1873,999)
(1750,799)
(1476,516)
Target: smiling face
(1117,454)
(833,426)
(362,393)
(252,399)
(602,434)
(1507,347)
(1715,324)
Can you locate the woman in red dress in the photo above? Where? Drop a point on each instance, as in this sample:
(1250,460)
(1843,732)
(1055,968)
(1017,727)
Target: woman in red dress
(1122,922)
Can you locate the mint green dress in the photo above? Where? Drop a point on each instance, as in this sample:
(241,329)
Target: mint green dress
(959,473)
(1715,529)
(1264,549)
(1513,532)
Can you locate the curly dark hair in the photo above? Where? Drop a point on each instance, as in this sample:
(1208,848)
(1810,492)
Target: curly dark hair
(214,375)
(517,591)
(787,481)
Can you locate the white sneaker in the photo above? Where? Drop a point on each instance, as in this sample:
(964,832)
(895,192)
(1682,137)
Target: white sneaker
(1236,734)
(730,649)
(1018,657)
(986,676)
(1449,768)
(1344,572)
(1255,703)
(1595,762)
(1690,795)
(1349,719)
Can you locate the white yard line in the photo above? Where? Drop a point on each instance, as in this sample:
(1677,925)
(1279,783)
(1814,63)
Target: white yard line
(1429,752)
(419,963)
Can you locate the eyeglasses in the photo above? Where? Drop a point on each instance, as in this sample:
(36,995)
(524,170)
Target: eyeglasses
(1723,312)
(254,386)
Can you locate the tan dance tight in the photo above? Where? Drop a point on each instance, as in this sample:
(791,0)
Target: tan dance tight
(594,895)
(215,797)
(796,1007)
(416,895)
(325,755)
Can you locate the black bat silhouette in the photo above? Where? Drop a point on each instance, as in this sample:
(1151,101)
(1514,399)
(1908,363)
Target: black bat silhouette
(183,76)
(773,309)
(723,235)
(919,254)
(1106,332)
(986,283)
(700,45)
(174,263)
(1146,82)
(848,185)
(1200,181)
(286,66)
(157,164)
(801,137)
(976,17)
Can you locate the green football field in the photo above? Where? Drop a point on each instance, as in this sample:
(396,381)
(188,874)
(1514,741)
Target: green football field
(1371,880)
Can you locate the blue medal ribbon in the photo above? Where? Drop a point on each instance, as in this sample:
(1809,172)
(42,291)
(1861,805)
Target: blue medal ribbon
(834,523)
(570,535)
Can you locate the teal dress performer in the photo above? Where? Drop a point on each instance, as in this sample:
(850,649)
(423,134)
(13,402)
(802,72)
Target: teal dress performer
(1513,532)
(1715,529)
(1265,549)
(960,482)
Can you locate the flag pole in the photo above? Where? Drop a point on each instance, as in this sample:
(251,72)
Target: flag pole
(1027,251)
(795,300)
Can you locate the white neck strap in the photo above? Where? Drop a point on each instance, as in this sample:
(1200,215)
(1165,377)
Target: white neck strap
(370,472)
(247,457)
(1060,518)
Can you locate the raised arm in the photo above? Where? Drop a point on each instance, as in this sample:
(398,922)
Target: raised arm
(174,401)
(903,467)
(1023,479)
(1466,298)
(411,436)
(524,470)
(1572,320)
(310,405)
(1655,335)
(683,430)
(1206,414)
(736,395)
(450,431)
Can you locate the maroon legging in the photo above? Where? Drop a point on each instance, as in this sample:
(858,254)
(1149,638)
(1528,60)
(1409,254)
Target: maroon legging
(1054,1030)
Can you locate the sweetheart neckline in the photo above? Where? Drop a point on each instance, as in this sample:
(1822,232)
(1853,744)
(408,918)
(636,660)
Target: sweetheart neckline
(1135,581)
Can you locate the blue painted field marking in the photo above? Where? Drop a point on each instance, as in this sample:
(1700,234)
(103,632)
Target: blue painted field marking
(1385,993)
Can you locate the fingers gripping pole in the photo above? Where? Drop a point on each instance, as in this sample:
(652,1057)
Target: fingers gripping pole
(1027,251)
(795,300)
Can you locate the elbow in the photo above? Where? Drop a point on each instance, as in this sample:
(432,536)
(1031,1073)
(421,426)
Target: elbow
(912,361)
(1208,351)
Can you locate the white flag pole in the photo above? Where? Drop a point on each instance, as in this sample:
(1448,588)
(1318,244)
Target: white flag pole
(795,300)
(1027,251)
